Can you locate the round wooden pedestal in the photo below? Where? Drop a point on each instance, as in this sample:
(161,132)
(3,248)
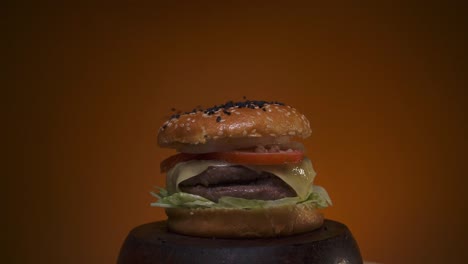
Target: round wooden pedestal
(333,243)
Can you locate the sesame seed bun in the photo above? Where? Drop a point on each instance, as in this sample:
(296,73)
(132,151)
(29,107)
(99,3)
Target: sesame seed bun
(244,223)
(250,119)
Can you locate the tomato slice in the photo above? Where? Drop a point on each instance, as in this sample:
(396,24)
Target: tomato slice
(170,162)
(255,158)
(238,157)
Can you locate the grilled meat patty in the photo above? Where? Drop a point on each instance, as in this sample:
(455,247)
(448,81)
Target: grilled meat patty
(237,181)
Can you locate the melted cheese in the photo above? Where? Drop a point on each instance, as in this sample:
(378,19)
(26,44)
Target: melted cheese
(299,176)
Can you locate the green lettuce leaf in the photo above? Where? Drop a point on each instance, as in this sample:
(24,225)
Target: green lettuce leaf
(318,197)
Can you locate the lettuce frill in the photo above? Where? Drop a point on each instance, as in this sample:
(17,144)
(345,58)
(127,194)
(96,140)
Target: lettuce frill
(317,197)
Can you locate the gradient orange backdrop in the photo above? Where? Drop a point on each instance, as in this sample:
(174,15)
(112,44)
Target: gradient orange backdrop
(384,89)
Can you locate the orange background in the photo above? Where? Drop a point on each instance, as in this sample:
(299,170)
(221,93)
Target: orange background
(383,87)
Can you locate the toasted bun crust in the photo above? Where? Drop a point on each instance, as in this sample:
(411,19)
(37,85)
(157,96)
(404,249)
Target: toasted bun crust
(244,223)
(236,121)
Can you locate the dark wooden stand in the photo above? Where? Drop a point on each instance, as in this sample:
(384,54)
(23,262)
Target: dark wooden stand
(333,243)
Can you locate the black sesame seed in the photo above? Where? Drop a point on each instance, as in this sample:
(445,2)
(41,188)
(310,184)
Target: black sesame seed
(228,105)
(252,104)
(218,119)
(164,127)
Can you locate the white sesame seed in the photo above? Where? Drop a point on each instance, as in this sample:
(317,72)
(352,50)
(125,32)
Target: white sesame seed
(237,113)
(181,125)
(169,124)
(244,133)
(176,125)
(253,131)
(188,119)
(193,121)
(272,134)
(269,119)
(292,133)
(220,132)
(188,128)
(258,113)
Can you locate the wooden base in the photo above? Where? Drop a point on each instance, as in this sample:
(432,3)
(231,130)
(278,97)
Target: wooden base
(152,243)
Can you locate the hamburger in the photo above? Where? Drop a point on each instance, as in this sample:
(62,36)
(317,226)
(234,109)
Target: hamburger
(239,172)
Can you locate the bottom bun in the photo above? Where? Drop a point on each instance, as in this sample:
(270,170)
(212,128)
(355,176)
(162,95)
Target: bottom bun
(244,223)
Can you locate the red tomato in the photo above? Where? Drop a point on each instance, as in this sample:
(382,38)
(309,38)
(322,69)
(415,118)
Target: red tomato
(237,157)
(170,162)
(254,158)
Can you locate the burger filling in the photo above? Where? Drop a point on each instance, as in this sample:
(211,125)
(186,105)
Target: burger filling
(247,178)
(237,181)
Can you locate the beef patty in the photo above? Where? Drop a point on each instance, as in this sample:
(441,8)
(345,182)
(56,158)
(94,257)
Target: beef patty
(237,181)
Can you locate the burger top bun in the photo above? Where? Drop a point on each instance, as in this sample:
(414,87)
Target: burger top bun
(249,119)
